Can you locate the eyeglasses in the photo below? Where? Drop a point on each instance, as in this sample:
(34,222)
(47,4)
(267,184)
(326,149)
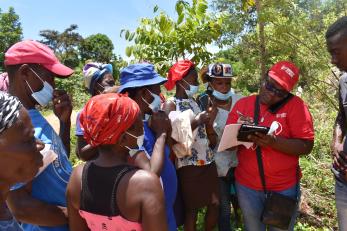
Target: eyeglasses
(270,87)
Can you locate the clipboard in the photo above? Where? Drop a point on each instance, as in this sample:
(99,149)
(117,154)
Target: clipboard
(229,138)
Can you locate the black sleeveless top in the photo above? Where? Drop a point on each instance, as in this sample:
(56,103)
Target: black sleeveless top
(99,188)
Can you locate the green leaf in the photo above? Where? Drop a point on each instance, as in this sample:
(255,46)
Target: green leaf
(128,51)
(180,19)
(155,8)
(131,36)
(179,7)
(201,9)
(127,34)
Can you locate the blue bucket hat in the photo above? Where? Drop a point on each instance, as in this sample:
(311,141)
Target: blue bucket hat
(139,75)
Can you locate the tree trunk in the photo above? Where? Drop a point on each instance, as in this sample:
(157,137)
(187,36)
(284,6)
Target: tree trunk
(262,48)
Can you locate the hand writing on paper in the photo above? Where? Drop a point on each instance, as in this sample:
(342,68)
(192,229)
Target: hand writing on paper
(243,119)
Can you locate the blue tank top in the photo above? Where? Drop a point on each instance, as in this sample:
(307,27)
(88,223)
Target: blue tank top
(168,176)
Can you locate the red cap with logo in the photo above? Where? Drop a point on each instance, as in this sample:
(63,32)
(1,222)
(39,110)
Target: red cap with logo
(29,51)
(285,74)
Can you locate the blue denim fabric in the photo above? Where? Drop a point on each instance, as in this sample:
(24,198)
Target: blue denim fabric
(10,225)
(341,204)
(252,204)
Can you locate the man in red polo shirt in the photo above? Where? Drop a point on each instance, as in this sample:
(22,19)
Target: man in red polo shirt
(280,151)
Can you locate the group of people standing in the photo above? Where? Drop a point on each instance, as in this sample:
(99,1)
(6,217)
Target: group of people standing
(152,163)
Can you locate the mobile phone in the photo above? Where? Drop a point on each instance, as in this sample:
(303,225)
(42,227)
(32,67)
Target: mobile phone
(246,130)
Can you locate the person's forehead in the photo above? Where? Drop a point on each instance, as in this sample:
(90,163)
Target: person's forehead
(107,76)
(191,76)
(17,132)
(155,87)
(221,80)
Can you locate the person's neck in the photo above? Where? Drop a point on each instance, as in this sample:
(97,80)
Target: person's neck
(23,98)
(111,157)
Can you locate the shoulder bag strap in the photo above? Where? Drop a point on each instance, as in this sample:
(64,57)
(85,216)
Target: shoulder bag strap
(258,150)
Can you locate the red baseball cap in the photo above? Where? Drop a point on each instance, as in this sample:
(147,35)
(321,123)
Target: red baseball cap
(29,51)
(285,74)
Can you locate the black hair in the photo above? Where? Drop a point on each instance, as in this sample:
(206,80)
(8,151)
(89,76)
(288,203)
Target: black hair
(339,26)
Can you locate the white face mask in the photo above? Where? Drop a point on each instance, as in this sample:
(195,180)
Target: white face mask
(222,96)
(192,89)
(155,105)
(43,96)
(139,142)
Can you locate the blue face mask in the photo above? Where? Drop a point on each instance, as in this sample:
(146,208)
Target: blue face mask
(192,89)
(43,96)
(139,142)
(222,96)
(155,105)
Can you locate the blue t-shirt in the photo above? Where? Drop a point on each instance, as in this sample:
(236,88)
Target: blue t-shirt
(50,185)
(168,176)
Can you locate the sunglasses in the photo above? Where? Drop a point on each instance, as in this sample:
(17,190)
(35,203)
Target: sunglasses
(270,87)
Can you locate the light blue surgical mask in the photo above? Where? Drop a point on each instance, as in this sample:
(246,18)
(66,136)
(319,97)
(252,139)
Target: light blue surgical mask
(155,105)
(193,89)
(139,142)
(222,96)
(43,96)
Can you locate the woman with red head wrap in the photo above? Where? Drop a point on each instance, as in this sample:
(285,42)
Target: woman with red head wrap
(106,193)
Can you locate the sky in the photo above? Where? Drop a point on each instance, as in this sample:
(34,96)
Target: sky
(99,16)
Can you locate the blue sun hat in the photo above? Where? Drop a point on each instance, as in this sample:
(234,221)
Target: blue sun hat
(139,75)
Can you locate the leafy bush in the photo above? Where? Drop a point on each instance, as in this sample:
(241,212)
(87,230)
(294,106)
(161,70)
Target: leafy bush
(74,85)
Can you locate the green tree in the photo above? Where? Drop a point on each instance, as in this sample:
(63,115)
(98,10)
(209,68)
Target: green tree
(118,63)
(163,40)
(64,44)
(97,47)
(10,31)
(293,30)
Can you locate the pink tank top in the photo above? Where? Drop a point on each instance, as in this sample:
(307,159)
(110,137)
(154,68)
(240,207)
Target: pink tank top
(101,223)
(98,204)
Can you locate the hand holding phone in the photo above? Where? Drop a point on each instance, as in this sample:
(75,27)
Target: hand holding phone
(247,129)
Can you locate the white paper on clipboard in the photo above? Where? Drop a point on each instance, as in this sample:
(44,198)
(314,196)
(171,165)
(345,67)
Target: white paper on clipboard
(229,138)
(48,156)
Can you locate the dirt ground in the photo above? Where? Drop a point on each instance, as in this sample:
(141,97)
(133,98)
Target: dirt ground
(54,122)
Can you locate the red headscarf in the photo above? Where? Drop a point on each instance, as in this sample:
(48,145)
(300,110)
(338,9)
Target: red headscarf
(177,72)
(105,117)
